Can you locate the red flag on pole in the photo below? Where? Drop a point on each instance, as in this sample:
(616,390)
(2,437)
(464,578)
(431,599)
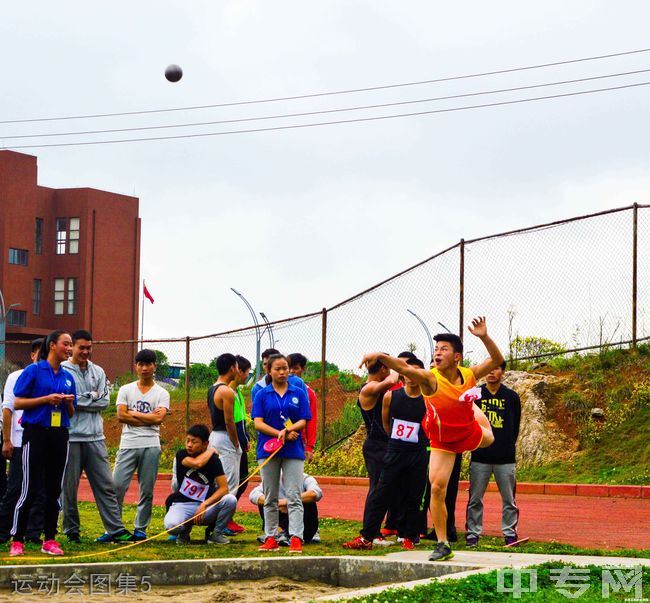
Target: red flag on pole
(147,294)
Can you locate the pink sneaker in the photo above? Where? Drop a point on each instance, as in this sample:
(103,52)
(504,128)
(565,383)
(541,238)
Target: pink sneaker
(16,549)
(51,547)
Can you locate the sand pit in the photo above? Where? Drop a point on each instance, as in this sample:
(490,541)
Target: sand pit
(262,591)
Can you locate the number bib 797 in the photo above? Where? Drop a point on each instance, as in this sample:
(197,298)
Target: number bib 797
(407,431)
(193,490)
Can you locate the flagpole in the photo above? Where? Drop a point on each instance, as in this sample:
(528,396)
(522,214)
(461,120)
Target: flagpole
(142,318)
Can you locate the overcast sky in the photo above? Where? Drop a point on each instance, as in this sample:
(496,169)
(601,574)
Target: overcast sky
(303,218)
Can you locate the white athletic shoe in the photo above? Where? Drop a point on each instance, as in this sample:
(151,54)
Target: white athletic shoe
(381,541)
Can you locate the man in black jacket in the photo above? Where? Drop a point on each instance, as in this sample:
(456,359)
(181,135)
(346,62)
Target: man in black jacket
(502,407)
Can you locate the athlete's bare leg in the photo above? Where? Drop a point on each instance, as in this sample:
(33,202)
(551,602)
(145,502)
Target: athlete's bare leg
(441,464)
(486,428)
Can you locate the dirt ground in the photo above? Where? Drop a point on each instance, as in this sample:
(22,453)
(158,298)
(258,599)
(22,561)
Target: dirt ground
(262,591)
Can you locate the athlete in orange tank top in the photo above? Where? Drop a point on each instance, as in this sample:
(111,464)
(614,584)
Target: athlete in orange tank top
(453,423)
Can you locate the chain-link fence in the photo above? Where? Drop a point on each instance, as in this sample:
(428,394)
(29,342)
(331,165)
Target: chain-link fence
(549,289)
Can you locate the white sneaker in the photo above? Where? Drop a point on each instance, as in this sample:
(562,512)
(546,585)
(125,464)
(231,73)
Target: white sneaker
(316,538)
(381,541)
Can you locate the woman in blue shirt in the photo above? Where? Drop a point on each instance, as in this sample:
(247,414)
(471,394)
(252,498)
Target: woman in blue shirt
(46,393)
(280,411)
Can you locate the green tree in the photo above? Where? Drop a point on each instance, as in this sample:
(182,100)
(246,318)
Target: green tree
(201,375)
(162,365)
(523,347)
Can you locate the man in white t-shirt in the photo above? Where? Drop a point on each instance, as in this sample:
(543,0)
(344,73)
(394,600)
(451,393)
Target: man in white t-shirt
(141,407)
(12,449)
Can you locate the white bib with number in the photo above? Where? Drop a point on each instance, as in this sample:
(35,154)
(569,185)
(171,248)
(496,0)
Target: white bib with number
(193,490)
(407,431)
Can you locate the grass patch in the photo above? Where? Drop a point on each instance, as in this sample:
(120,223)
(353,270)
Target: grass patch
(333,533)
(483,588)
(622,456)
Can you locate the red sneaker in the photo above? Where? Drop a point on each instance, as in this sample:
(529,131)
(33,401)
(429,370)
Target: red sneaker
(407,544)
(270,544)
(359,543)
(386,532)
(296,545)
(51,547)
(16,549)
(235,527)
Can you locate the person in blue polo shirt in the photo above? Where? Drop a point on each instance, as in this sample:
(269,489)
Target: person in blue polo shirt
(281,411)
(46,393)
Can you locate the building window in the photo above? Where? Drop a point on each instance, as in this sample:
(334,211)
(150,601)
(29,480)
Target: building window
(36,296)
(73,239)
(17,318)
(59,295)
(18,256)
(38,239)
(67,235)
(72,296)
(61,235)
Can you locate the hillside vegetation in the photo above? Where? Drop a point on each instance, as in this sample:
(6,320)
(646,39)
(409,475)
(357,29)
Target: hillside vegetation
(610,449)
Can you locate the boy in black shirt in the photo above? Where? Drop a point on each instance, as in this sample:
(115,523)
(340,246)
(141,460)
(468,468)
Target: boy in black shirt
(502,407)
(404,464)
(200,490)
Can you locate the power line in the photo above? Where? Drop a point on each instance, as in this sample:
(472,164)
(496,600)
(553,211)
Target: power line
(331,93)
(325,111)
(329,123)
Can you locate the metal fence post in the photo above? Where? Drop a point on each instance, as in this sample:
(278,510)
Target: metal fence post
(187,383)
(461,289)
(635,236)
(323,376)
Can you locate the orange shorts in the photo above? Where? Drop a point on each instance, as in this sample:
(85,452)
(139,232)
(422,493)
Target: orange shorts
(467,438)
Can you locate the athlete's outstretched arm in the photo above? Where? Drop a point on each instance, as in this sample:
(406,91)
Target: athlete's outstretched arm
(479,329)
(371,390)
(424,378)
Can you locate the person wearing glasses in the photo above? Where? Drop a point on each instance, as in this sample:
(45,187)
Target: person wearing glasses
(88,447)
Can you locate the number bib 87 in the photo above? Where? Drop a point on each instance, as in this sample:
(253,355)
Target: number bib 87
(193,490)
(407,431)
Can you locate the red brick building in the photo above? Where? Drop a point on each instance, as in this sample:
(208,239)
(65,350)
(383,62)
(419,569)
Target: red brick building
(70,259)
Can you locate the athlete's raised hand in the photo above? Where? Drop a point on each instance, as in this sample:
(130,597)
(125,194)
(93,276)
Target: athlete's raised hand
(370,359)
(478,328)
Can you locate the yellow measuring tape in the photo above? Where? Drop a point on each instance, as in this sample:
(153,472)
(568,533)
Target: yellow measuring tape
(112,550)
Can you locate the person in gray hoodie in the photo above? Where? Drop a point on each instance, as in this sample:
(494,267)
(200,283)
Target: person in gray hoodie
(87,447)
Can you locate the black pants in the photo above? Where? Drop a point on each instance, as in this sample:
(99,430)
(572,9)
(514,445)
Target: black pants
(3,471)
(243,474)
(450,501)
(45,452)
(8,504)
(405,470)
(310,520)
(373,455)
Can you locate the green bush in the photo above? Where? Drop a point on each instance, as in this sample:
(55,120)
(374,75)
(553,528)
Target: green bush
(522,347)
(313,370)
(576,402)
(346,460)
(349,381)
(201,375)
(347,423)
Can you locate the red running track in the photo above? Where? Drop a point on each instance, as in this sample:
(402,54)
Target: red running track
(593,522)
